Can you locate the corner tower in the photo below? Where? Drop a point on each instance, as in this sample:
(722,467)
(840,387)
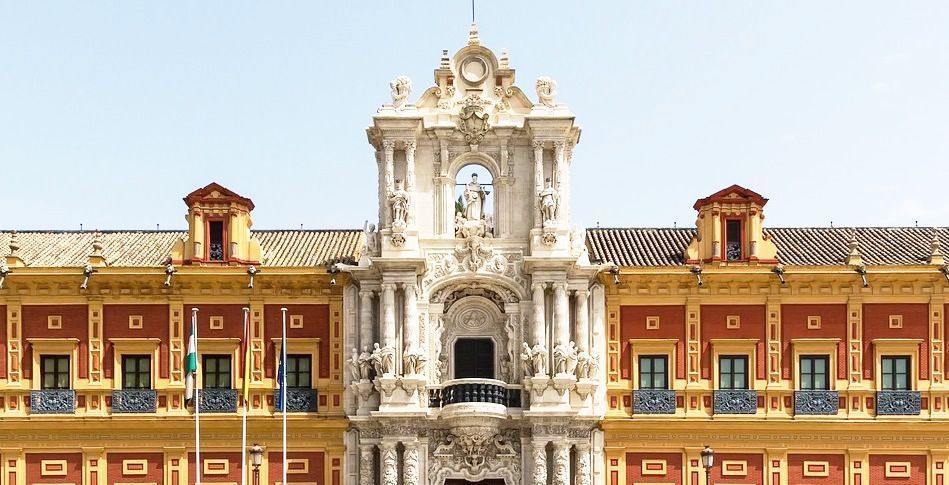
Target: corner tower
(475,334)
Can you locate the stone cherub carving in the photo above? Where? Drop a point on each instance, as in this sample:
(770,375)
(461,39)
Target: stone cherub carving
(401,88)
(399,202)
(548,203)
(546,91)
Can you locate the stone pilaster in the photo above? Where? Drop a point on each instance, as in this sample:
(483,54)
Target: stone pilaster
(584,468)
(539,463)
(366,465)
(538,147)
(390,462)
(388,148)
(561,466)
(410,179)
(410,463)
(560,182)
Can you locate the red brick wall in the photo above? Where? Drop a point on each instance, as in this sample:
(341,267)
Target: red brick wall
(233,468)
(154,470)
(714,325)
(233,320)
(794,325)
(634,468)
(876,324)
(754,469)
(314,473)
(633,325)
(115,324)
(917,469)
(3,342)
(836,468)
(316,324)
(75,325)
(34,461)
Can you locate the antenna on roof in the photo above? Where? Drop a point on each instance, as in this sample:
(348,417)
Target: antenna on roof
(472,11)
(80,227)
(301,227)
(916,223)
(831,223)
(675,225)
(157,227)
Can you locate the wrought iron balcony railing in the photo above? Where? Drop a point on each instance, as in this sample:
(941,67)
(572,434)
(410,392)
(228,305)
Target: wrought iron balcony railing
(53,401)
(816,402)
(218,400)
(898,403)
(654,401)
(475,391)
(298,400)
(735,401)
(134,401)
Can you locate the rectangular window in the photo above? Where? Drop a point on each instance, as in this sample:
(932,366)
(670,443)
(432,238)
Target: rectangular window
(55,371)
(653,372)
(733,240)
(814,373)
(733,372)
(298,371)
(216,371)
(895,372)
(136,372)
(216,240)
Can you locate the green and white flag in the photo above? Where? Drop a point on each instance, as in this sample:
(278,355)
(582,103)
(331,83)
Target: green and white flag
(191,361)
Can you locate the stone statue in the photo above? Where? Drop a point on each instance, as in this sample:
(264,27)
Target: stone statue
(401,88)
(474,197)
(539,357)
(383,359)
(413,361)
(565,360)
(593,365)
(354,367)
(399,201)
(571,363)
(372,239)
(548,203)
(365,363)
(461,231)
(546,91)
(527,358)
(583,365)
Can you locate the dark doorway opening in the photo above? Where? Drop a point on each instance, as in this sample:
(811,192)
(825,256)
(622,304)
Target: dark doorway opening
(474,358)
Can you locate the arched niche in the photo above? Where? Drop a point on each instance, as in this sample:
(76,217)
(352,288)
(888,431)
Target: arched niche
(475,316)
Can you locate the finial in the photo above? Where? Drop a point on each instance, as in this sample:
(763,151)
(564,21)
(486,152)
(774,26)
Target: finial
(935,250)
(444,64)
(14,244)
(97,243)
(853,256)
(505,61)
(473,35)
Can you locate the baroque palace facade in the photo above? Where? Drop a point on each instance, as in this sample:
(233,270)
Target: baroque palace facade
(475,334)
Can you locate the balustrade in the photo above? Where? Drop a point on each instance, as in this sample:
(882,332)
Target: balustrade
(816,402)
(898,403)
(735,401)
(53,401)
(654,401)
(134,401)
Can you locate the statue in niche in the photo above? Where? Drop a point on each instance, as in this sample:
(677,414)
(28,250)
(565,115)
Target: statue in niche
(383,359)
(527,359)
(470,218)
(539,357)
(474,197)
(354,367)
(546,91)
(565,358)
(399,202)
(365,363)
(401,88)
(548,203)
(583,365)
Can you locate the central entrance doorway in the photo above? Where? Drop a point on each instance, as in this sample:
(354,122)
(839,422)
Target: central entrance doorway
(490,481)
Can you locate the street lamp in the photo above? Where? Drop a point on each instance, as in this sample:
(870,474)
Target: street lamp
(256,455)
(708,460)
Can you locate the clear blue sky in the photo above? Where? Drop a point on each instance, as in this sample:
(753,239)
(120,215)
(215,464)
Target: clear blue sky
(110,112)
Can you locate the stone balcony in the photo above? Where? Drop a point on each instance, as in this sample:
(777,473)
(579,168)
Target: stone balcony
(735,401)
(898,403)
(134,401)
(218,400)
(299,400)
(816,403)
(53,401)
(488,391)
(654,401)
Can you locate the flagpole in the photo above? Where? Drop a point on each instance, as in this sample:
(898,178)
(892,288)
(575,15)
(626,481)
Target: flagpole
(197,404)
(246,344)
(283,393)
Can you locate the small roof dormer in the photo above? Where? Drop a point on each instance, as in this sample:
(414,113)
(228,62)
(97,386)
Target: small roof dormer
(219,223)
(729,229)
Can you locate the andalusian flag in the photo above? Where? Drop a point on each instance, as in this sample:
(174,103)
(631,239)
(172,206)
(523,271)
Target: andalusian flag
(191,360)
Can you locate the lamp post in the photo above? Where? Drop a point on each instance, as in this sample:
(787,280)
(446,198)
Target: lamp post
(256,455)
(708,460)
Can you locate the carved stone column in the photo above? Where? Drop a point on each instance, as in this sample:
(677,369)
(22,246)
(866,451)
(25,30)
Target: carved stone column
(539,456)
(365,318)
(582,327)
(410,464)
(390,461)
(410,179)
(560,169)
(538,147)
(366,465)
(584,468)
(388,147)
(539,331)
(561,314)
(561,466)
(409,324)
(388,314)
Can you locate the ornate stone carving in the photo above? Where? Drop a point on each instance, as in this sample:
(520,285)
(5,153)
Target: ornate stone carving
(410,464)
(549,203)
(365,363)
(372,240)
(474,120)
(495,295)
(561,464)
(476,255)
(383,359)
(399,204)
(584,471)
(401,88)
(527,359)
(390,471)
(504,95)
(354,370)
(539,456)
(366,465)
(546,91)
(474,454)
(565,358)
(549,237)
(445,96)
(413,361)
(539,359)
